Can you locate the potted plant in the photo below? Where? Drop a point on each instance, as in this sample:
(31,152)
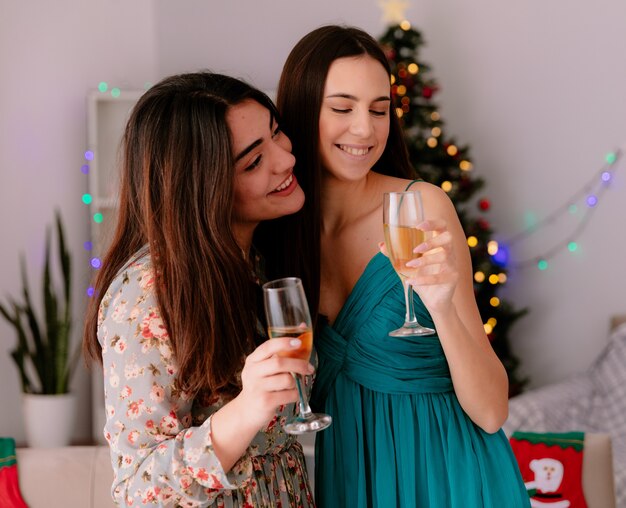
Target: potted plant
(42,353)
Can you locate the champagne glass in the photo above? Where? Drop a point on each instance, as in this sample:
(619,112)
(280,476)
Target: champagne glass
(402,213)
(287,313)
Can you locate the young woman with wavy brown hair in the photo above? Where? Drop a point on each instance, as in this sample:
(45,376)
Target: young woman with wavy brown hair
(194,393)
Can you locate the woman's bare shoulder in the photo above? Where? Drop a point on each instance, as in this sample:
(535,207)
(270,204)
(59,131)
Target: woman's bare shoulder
(387,183)
(394,184)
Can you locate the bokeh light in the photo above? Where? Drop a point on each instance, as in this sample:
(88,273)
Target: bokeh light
(501,258)
(465,165)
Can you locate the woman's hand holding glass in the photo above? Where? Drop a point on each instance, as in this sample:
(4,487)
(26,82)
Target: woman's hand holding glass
(402,213)
(267,380)
(434,274)
(287,313)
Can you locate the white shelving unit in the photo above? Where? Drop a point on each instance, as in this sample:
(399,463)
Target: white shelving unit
(106,120)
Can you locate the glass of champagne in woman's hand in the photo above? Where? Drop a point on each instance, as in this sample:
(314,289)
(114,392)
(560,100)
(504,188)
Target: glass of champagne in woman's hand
(402,213)
(288,315)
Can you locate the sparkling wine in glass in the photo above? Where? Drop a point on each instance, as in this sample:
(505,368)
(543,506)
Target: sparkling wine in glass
(287,313)
(402,213)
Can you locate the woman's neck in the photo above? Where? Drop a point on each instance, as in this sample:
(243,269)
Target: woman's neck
(343,202)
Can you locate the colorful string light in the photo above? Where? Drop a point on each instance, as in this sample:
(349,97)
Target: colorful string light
(87,199)
(95,263)
(590,194)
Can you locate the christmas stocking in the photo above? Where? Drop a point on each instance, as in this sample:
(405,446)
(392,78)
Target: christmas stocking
(551,466)
(10,496)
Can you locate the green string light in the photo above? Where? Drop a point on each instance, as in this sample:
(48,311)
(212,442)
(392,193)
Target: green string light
(98,218)
(542,264)
(572,246)
(87,199)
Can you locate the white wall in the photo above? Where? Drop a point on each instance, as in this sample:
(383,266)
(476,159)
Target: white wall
(534,88)
(51,54)
(249,39)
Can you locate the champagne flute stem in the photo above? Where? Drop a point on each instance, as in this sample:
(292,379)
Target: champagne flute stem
(409,318)
(305,409)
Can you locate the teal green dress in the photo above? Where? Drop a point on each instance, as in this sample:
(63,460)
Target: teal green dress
(399,437)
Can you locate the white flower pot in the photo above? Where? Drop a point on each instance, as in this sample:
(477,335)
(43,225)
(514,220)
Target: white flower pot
(49,419)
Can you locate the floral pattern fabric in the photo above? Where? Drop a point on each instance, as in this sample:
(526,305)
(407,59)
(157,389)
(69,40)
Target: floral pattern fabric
(160,436)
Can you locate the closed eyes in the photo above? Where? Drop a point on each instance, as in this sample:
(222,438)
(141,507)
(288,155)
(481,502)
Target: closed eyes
(345,111)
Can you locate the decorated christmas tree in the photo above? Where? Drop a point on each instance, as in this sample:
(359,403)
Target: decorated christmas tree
(440,160)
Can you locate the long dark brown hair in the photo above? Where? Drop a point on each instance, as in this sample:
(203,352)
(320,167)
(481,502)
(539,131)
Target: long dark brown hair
(176,198)
(296,239)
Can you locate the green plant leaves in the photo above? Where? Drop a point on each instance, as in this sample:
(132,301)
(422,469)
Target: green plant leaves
(44,345)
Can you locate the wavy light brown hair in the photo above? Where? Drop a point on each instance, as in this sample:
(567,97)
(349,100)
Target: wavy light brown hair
(299,100)
(176,198)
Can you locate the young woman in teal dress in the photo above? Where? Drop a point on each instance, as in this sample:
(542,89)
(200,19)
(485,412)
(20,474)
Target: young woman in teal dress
(195,395)
(416,420)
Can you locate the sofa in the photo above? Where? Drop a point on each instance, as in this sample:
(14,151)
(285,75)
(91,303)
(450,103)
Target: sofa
(77,476)
(593,402)
(72,476)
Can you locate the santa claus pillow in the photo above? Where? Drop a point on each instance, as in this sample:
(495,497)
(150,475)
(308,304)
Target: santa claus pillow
(551,467)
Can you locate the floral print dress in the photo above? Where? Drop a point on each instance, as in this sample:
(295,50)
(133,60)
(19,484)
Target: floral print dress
(160,437)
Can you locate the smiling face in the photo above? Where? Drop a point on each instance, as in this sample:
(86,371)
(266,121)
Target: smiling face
(265,186)
(354,117)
